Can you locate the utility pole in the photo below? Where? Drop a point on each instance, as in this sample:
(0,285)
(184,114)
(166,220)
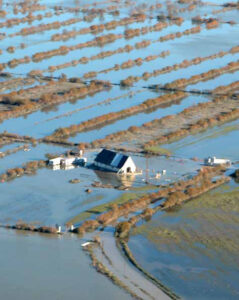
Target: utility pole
(147,170)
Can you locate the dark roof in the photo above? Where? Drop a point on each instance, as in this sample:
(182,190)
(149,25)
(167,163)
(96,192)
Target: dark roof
(107,156)
(122,161)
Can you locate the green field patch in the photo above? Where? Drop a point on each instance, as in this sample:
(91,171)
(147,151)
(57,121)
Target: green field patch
(223,130)
(207,224)
(156,149)
(96,210)
(147,187)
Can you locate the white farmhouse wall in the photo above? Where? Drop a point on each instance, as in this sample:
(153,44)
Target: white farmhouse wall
(129,164)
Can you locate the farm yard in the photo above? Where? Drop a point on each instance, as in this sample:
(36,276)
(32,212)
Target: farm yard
(155,81)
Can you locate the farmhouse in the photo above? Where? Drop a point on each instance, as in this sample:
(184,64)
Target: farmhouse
(115,162)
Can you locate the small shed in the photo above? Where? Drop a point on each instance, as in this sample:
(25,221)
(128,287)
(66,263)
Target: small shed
(67,161)
(55,161)
(213,161)
(115,162)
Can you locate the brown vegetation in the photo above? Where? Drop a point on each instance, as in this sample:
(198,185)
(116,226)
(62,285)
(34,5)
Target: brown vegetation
(191,120)
(98,28)
(29,227)
(26,19)
(184,64)
(27,169)
(171,195)
(44,27)
(113,116)
(179,83)
(196,127)
(32,99)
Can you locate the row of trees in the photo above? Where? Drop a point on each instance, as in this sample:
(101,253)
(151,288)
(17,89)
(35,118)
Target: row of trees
(30,227)
(127,64)
(102,55)
(98,41)
(209,108)
(129,81)
(44,27)
(66,35)
(29,168)
(226,7)
(26,19)
(174,195)
(113,116)
(22,102)
(182,82)
(195,127)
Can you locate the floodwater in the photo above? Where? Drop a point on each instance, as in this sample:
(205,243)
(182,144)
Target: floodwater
(221,141)
(138,119)
(194,249)
(48,198)
(35,266)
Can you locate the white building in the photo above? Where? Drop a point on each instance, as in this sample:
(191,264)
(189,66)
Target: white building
(213,161)
(55,161)
(67,161)
(115,162)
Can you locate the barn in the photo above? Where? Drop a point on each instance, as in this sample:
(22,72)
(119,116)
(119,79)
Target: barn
(115,162)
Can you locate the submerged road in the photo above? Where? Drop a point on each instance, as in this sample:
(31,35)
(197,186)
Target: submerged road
(126,272)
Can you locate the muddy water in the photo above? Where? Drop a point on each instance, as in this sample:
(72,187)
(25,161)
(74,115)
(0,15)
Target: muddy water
(42,267)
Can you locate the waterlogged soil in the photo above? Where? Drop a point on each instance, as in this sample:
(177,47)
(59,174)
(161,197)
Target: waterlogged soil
(194,249)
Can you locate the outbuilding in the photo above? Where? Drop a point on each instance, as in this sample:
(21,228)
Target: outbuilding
(115,162)
(55,161)
(213,161)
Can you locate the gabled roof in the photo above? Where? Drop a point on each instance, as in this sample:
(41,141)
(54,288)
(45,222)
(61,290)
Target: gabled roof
(122,161)
(105,157)
(111,158)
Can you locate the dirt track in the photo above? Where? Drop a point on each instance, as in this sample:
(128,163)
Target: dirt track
(126,272)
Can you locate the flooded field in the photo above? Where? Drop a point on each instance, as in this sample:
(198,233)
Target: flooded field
(156,81)
(210,141)
(49,198)
(193,249)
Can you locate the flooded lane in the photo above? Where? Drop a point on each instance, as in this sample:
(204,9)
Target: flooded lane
(193,249)
(46,267)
